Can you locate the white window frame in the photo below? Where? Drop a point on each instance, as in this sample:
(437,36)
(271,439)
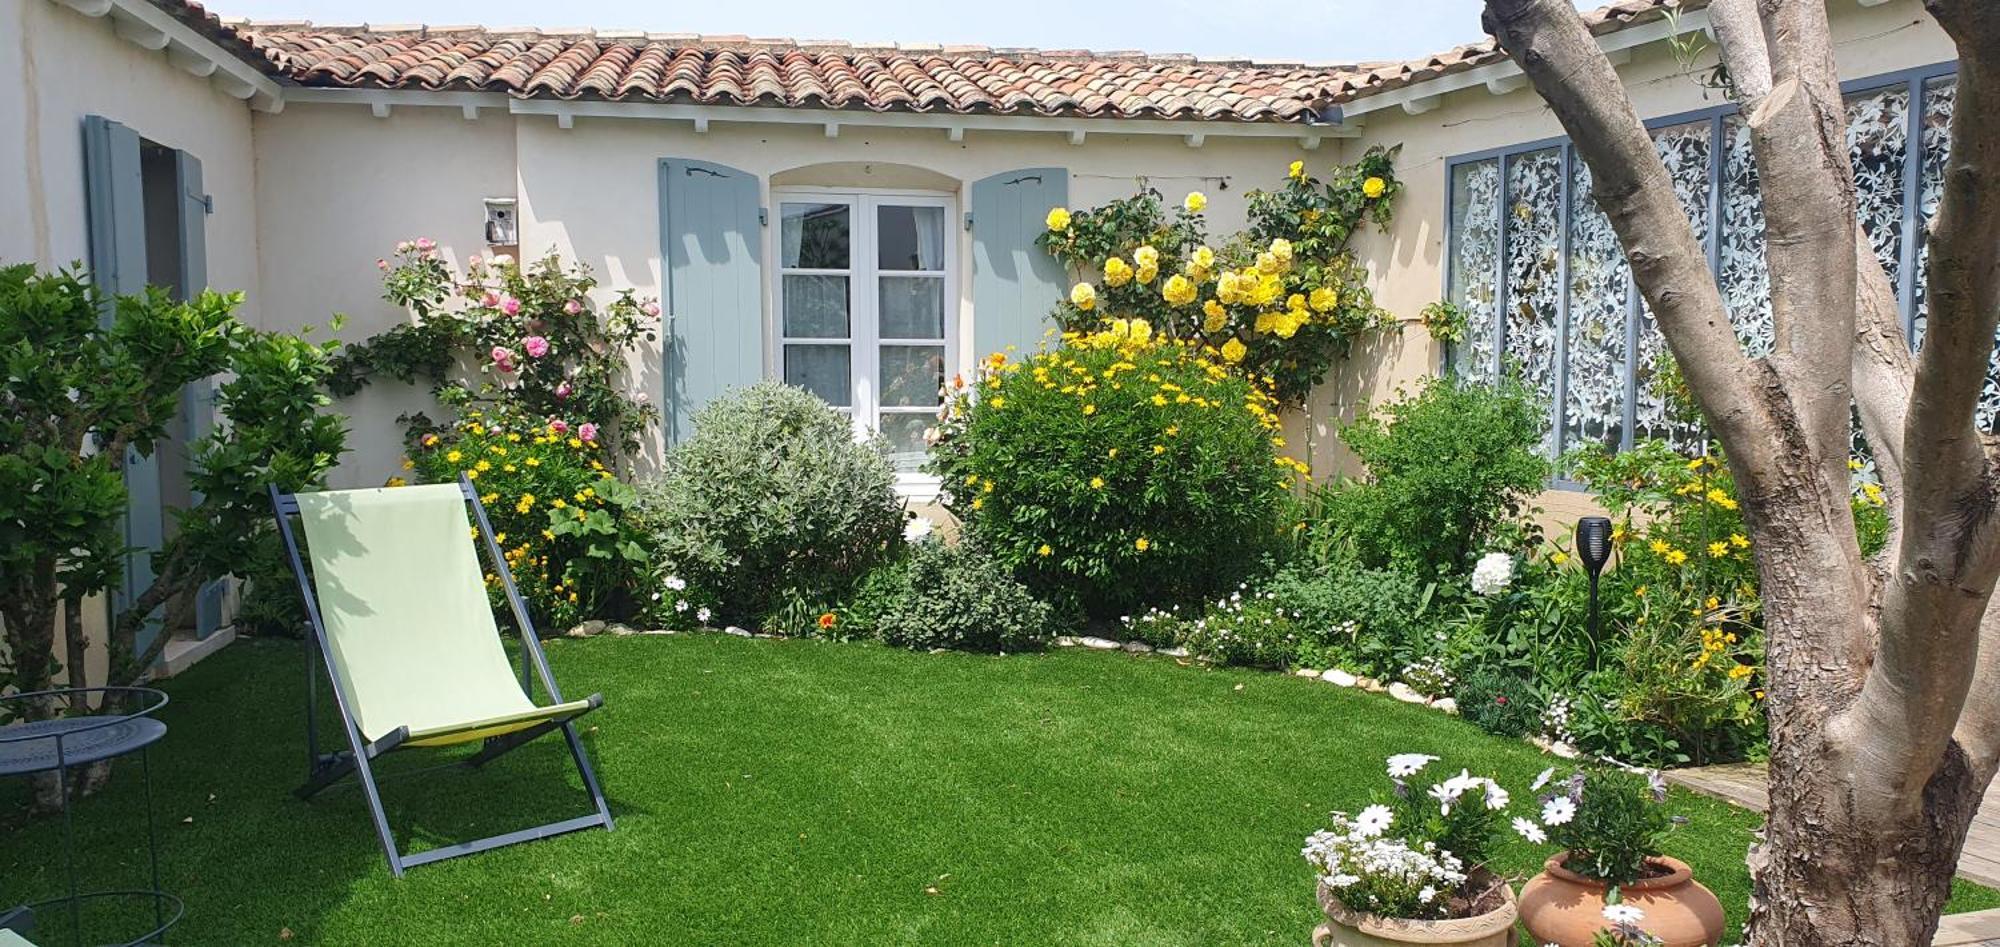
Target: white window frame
(864,339)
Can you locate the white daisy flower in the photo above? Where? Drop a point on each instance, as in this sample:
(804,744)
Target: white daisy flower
(1558,811)
(1407,764)
(1373,821)
(1528,830)
(1624,915)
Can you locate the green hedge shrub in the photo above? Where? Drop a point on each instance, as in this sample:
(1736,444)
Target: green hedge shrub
(959,596)
(771,500)
(1117,470)
(1451,471)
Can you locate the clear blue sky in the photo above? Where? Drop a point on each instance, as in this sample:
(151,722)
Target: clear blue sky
(1322,31)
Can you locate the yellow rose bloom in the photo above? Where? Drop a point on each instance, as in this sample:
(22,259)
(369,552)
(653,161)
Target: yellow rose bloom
(1194,202)
(1267,263)
(1297,170)
(1083,296)
(1282,249)
(1233,351)
(1217,317)
(1146,256)
(1373,188)
(1117,272)
(1140,330)
(1324,298)
(1146,272)
(1058,219)
(1179,290)
(1204,257)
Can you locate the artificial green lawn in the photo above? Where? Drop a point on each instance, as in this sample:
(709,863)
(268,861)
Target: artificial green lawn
(774,791)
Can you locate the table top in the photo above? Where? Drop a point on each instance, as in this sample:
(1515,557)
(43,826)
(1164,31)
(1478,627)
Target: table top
(34,747)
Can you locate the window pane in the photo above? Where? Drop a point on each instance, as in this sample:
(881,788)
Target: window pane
(1475,261)
(912,375)
(909,238)
(1534,276)
(1685,150)
(905,433)
(1594,400)
(822,370)
(1940,94)
(815,307)
(1878,132)
(912,307)
(815,236)
(1746,280)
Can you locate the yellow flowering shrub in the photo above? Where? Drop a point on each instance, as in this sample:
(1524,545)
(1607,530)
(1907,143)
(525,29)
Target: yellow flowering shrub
(557,512)
(1283,299)
(1121,468)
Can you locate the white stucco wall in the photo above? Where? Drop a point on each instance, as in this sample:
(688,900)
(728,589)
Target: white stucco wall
(57,66)
(336,189)
(591,193)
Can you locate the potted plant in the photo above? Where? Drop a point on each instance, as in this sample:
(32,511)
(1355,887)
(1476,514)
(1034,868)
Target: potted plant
(1411,869)
(1610,884)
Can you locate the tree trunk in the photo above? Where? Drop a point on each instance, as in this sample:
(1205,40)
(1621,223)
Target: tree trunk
(1833,876)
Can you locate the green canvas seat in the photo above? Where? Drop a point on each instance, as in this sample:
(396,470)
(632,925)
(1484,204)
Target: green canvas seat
(400,613)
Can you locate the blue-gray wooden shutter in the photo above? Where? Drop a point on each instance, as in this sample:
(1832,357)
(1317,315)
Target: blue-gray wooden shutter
(199,398)
(711,230)
(1015,284)
(114,197)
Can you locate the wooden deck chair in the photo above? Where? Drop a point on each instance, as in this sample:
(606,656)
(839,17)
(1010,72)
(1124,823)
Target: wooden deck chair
(399,613)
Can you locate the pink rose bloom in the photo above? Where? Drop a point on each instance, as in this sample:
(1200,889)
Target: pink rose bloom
(491,300)
(510,306)
(382,265)
(563,391)
(536,346)
(572,307)
(404,246)
(559,426)
(502,353)
(651,308)
(473,262)
(587,431)
(425,243)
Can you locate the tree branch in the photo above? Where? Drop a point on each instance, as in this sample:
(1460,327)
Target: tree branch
(1548,40)
(1740,36)
(1978,730)
(1935,605)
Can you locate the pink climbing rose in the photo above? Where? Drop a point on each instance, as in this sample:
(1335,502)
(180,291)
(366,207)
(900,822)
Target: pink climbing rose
(536,346)
(510,306)
(425,243)
(563,390)
(503,357)
(491,300)
(651,308)
(573,307)
(559,426)
(587,431)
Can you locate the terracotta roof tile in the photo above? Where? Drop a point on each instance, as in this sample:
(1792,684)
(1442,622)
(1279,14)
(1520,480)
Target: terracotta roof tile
(740,70)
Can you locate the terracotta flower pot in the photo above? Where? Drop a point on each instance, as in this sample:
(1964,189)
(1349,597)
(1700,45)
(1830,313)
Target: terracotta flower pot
(1562,907)
(1349,928)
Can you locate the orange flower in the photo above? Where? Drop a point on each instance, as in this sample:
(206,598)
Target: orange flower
(826,620)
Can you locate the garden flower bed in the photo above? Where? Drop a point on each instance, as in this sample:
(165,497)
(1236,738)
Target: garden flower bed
(771,790)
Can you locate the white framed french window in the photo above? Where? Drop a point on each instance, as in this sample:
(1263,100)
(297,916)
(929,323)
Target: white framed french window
(867,310)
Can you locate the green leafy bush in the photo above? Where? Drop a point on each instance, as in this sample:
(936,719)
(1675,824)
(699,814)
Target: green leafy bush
(1451,470)
(1368,621)
(958,596)
(772,497)
(1611,822)
(1498,702)
(1116,471)
(557,511)
(1244,629)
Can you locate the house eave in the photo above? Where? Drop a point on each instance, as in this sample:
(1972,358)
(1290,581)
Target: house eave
(145,25)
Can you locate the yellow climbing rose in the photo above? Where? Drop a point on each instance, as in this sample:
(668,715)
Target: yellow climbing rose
(1179,290)
(1282,249)
(1373,187)
(1058,219)
(1217,317)
(1298,170)
(1233,351)
(1146,256)
(1083,296)
(1324,298)
(1194,202)
(1117,272)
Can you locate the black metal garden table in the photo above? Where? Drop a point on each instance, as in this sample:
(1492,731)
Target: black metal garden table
(63,744)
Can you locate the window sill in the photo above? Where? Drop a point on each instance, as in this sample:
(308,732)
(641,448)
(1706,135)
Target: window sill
(920,489)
